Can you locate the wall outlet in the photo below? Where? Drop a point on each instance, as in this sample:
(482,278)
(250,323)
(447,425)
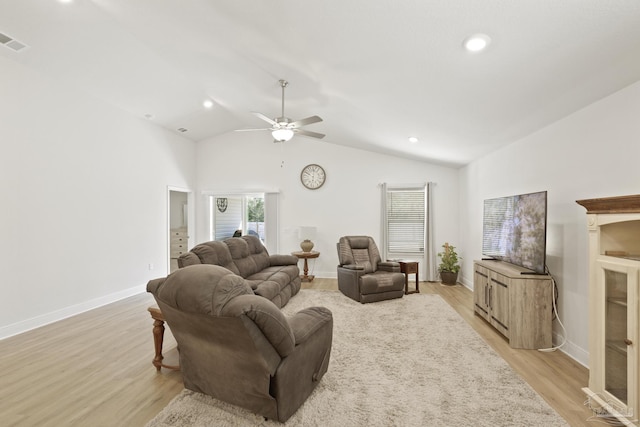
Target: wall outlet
(150,266)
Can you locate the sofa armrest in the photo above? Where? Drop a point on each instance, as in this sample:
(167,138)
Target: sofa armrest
(283,260)
(390,266)
(267,317)
(306,322)
(154,284)
(187,259)
(352,267)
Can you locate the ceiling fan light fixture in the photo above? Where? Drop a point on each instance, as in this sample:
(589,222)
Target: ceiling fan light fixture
(282,135)
(283,128)
(477,42)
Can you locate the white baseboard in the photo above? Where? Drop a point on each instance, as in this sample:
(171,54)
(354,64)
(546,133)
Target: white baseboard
(54,316)
(575,352)
(326,274)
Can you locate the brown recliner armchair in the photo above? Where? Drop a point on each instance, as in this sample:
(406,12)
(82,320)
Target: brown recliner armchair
(239,347)
(362,275)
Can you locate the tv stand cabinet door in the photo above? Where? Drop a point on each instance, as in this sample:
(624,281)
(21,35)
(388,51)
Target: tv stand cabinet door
(531,307)
(481,291)
(500,303)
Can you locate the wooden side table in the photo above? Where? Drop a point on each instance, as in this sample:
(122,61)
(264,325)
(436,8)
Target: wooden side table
(306,256)
(158,338)
(409,267)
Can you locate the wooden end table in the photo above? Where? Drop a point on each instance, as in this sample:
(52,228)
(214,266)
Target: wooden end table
(158,339)
(409,267)
(306,256)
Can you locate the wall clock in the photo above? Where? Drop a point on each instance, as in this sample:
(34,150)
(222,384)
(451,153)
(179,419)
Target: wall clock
(313,176)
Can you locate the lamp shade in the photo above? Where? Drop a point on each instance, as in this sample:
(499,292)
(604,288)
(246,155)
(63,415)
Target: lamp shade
(307,232)
(282,135)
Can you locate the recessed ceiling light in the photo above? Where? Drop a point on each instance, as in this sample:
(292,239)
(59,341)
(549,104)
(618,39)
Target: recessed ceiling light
(208,103)
(65,1)
(413,139)
(477,42)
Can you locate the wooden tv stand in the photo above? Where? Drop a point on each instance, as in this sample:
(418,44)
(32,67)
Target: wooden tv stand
(517,305)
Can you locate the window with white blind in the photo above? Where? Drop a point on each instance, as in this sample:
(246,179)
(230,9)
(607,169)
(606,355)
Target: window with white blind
(407,225)
(405,221)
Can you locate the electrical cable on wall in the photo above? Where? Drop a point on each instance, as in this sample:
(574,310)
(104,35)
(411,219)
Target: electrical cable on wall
(555,315)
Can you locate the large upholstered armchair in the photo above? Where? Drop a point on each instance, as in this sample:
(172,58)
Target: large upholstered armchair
(239,347)
(362,275)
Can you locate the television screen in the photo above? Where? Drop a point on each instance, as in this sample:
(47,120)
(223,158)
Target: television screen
(515,230)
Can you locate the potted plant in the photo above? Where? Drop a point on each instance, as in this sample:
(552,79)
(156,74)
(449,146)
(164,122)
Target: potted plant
(449,264)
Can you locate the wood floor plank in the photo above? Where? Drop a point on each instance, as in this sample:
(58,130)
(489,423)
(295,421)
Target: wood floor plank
(95,368)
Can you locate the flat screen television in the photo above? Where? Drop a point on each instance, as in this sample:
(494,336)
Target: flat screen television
(515,230)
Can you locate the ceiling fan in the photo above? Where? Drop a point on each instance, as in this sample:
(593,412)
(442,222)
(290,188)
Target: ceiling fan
(283,128)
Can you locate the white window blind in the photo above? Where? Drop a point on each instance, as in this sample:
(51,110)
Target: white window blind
(405,214)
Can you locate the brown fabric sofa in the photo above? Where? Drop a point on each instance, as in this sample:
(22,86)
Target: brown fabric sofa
(274,277)
(362,275)
(239,347)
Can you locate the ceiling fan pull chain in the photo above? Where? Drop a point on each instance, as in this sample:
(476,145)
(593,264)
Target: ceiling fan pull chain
(282,155)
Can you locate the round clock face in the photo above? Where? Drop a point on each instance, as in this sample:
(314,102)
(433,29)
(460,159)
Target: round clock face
(312,176)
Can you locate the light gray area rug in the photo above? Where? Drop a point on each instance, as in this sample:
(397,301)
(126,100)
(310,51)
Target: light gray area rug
(405,362)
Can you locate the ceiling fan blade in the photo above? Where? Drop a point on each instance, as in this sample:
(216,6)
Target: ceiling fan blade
(304,122)
(249,130)
(309,133)
(265,118)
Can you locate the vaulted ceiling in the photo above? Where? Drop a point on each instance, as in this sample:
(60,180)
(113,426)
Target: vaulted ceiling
(376,71)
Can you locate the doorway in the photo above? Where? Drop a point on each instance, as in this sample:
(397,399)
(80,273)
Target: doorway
(180,224)
(239,214)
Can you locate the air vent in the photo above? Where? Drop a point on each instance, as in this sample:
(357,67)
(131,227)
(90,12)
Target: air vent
(11,43)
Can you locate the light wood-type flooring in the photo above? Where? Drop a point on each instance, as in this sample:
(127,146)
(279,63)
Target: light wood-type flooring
(94,369)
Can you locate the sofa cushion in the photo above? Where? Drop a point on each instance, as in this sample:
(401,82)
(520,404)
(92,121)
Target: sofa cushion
(360,251)
(361,259)
(276,283)
(211,287)
(248,254)
(216,253)
(275,277)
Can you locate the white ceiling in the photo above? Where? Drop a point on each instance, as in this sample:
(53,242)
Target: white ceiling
(376,71)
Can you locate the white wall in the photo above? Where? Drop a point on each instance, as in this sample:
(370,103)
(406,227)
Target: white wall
(348,203)
(592,153)
(84,199)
